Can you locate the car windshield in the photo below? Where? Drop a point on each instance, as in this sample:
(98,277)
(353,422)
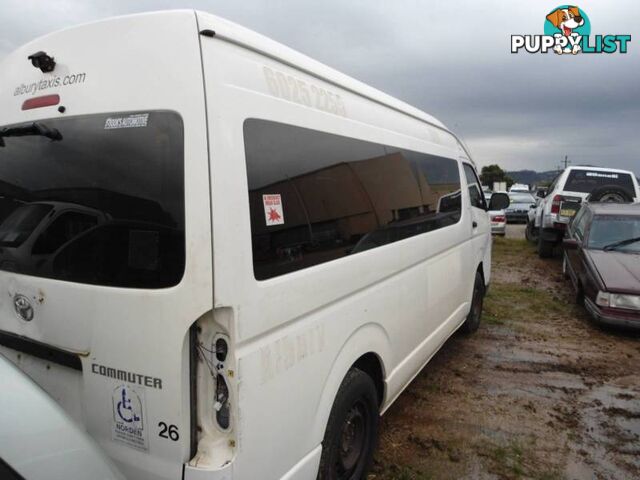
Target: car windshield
(521,198)
(608,230)
(586,181)
(95,199)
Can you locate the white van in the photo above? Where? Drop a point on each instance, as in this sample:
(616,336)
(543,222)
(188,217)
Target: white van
(238,256)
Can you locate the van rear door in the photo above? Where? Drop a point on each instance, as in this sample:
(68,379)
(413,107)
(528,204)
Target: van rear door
(105,232)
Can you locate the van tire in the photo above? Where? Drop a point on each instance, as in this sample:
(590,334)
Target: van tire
(610,194)
(472,322)
(352,431)
(545,248)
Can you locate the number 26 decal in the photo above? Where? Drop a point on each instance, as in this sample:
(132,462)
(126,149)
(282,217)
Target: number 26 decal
(168,431)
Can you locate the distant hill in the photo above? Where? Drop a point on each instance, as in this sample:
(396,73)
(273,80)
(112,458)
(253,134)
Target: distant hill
(531,177)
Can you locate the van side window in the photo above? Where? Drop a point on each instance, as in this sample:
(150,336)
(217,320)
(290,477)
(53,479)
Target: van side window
(475,190)
(316,197)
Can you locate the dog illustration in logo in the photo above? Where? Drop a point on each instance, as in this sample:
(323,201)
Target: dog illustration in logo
(566,20)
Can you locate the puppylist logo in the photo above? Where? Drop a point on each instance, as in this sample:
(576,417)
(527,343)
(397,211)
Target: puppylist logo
(567,29)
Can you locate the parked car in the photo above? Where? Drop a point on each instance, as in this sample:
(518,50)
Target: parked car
(519,187)
(498,222)
(38,440)
(520,206)
(562,200)
(602,259)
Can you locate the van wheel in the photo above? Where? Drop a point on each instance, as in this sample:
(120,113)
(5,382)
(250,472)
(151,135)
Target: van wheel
(352,431)
(545,248)
(472,322)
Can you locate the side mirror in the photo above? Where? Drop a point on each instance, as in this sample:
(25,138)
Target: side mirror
(499,201)
(569,244)
(541,193)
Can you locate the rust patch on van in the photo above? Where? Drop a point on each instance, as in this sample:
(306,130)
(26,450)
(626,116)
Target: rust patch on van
(282,354)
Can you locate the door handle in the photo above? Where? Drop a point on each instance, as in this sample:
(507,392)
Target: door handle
(474,224)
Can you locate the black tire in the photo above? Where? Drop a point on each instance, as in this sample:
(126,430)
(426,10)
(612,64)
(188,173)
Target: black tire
(610,194)
(352,431)
(472,322)
(531,233)
(545,248)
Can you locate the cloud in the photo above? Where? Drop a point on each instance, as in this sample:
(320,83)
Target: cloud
(451,59)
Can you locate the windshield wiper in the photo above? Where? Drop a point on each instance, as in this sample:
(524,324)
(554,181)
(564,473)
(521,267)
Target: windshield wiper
(622,243)
(32,129)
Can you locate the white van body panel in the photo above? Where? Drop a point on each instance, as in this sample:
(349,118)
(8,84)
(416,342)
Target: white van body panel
(141,331)
(318,322)
(293,337)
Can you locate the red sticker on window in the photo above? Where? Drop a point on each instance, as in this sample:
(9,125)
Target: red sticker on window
(273,212)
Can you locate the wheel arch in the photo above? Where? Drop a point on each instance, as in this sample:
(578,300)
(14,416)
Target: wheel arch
(369,349)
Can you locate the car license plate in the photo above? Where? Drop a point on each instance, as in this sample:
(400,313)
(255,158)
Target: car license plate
(569,209)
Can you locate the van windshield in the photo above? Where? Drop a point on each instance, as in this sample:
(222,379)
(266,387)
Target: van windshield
(102,203)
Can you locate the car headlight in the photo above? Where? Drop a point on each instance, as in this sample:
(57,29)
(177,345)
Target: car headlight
(603,299)
(618,300)
(625,301)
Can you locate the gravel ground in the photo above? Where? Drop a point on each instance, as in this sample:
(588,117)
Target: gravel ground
(538,392)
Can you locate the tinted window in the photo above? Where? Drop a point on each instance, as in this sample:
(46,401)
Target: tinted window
(315,197)
(475,189)
(101,201)
(585,181)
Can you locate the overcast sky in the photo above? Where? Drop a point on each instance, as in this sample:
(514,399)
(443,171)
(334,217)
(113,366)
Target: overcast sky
(451,59)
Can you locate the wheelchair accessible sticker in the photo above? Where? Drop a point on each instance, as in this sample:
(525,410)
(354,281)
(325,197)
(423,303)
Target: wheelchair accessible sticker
(128,417)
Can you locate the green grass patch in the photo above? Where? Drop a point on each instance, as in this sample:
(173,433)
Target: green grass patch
(507,301)
(503,247)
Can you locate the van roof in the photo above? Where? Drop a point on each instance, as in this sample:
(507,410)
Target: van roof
(234,33)
(231,32)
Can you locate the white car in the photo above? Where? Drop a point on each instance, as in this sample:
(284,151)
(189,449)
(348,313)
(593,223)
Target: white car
(38,440)
(563,198)
(498,222)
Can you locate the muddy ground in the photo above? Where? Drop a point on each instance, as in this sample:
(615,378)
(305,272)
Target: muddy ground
(538,392)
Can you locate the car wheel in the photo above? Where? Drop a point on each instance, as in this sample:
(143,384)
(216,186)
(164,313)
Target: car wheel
(472,322)
(531,233)
(352,430)
(545,248)
(610,194)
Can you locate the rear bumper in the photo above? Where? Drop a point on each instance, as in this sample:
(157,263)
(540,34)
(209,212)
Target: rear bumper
(612,318)
(499,229)
(552,234)
(517,217)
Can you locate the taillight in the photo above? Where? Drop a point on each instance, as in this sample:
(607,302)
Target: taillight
(499,218)
(555,204)
(39,102)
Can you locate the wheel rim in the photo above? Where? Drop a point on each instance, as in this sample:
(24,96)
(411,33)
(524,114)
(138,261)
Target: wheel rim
(352,440)
(611,198)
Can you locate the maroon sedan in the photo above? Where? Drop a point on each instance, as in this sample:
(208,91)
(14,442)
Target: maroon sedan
(602,259)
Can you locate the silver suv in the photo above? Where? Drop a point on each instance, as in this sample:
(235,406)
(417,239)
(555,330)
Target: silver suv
(562,200)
